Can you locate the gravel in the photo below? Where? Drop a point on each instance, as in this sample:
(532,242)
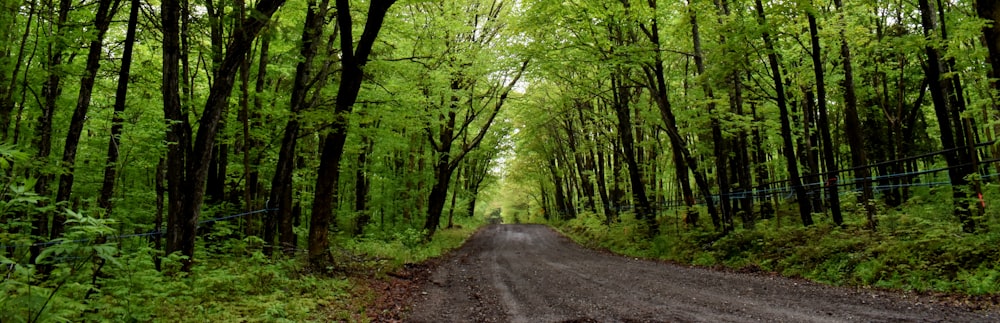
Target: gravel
(530,273)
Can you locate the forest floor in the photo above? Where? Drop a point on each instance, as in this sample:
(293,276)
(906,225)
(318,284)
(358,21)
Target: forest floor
(530,273)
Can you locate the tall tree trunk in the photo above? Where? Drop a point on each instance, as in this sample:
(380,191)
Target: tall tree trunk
(760,164)
(446,163)
(990,10)
(739,144)
(561,206)
(8,82)
(719,144)
(442,167)
(602,186)
(9,13)
(178,130)
(623,112)
(852,125)
(475,173)
(279,221)
(362,184)
(586,184)
(454,196)
(182,231)
(807,143)
(805,209)
(117,120)
(51,90)
(966,133)
(617,192)
(682,156)
(824,123)
(254,144)
(352,61)
(942,109)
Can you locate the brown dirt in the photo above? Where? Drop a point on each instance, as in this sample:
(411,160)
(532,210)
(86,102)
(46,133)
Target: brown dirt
(529,273)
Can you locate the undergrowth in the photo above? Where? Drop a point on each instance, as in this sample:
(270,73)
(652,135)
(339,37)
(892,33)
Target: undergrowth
(918,247)
(232,280)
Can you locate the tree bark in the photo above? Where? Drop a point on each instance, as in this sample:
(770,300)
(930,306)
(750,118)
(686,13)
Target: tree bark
(832,176)
(852,126)
(719,148)
(178,130)
(805,209)
(117,120)
(939,96)
(352,61)
(682,155)
(197,161)
(990,10)
(623,112)
(279,220)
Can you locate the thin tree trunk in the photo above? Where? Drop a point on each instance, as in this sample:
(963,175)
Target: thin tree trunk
(43,130)
(178,131)
(643,211)
(279,220)
(199,158)
(852,126)
(8,82)
(719,144)
(602,186)
(561,205)
(990,10)
(824,123)
(117,120)
(454,196)
(682,156)
(362,185)
(253,144)
(446,163)
(161,190)
(805,209)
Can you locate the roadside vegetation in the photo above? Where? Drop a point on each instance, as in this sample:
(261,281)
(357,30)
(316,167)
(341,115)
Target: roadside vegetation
(225,160)
(919,247)
(235,281)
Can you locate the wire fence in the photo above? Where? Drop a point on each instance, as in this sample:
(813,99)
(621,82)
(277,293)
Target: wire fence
(132,235)
(879,183)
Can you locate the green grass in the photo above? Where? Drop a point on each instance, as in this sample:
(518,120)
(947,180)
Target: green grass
(231,282)
(918,247)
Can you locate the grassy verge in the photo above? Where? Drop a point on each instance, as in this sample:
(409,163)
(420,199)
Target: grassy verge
(231,282)
(916,249)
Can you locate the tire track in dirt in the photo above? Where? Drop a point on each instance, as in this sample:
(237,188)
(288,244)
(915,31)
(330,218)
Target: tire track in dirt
(529,273)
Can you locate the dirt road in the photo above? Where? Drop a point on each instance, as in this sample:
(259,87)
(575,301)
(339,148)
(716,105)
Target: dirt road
(529,273)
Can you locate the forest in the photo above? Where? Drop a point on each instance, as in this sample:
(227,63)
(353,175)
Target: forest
(213,160)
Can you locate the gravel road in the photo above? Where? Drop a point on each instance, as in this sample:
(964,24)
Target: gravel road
(529,273)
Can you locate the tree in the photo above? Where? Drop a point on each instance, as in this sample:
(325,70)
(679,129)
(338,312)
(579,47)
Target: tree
(958,162)
(805,209)
(306,79)
(353,60)
(189,157)
(852,124)
(50,94)
(990,10)
(124,74)
(824,120)
(106,10)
